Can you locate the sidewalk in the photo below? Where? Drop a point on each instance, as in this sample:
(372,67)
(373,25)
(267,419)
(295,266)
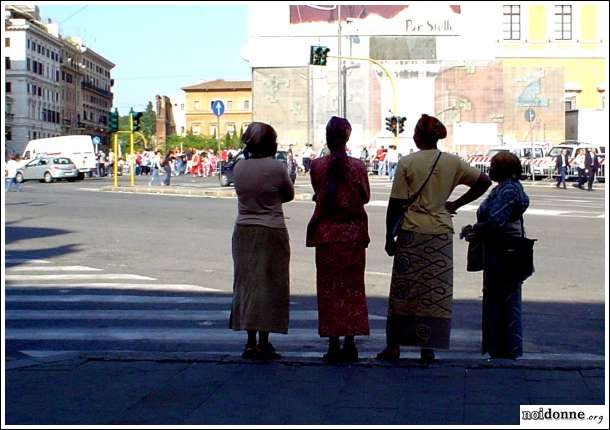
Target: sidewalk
(198,389)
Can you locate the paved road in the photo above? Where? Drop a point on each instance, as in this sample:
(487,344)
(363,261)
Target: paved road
(92,271)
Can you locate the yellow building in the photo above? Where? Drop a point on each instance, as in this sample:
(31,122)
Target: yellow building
(237,99)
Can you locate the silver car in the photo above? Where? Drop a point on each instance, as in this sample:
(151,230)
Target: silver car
(47,169)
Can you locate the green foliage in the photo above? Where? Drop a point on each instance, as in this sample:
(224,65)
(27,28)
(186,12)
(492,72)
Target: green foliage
(149,121)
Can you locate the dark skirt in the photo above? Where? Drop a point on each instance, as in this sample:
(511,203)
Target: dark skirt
(421,293)
(502,329)
(342,307)
(261,286)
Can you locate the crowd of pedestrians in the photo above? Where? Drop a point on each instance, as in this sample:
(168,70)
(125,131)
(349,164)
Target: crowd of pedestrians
(419,238)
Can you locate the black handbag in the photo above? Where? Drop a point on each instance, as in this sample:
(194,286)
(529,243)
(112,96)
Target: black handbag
(398,224)
(474,258)
(510,256)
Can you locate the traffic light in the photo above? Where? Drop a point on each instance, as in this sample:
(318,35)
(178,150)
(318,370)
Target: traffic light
(401,123)
(391,124)
(317,55)
(136,120)
(113,121)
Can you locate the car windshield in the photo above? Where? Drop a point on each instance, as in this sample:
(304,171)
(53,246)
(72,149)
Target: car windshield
(62,161)
(280,155)
(556,151)
(493,152)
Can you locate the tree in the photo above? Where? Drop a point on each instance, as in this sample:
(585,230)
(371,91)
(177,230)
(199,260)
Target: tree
(149,121)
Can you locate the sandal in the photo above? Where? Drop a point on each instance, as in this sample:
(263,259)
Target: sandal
(267,352)
(389,354)
(250,353)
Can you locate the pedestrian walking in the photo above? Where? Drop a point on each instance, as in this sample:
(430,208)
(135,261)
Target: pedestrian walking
(419,214)
(562,163)
(591,166)
(306,157)
(10,172)
(168,165)
(392,160)
(579,162)
(155,164)
(338,230)
(500,216)
(260,244)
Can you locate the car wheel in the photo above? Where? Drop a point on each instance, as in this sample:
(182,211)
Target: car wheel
(19,177)
(48,178)
(224,180)
(81,176)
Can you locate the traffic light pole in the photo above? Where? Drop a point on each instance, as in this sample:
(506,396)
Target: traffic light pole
(392,83)
(115,146)
(132,163)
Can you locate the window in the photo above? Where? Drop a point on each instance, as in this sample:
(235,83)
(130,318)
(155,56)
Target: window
(38,48)
(196,105)
(570,103)
(7,42)
(213,130)
(28,43)
(8,87)
(7,63)
(196,129)
(28,63)
(511,24)
(246,104)
(563,22)
(39,91)
(8,134)
(229,105)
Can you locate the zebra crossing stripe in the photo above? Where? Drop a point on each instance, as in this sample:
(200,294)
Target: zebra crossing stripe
(25,261)
(28,268)
(101,276)
(131,299)
(131,314)
(116,286)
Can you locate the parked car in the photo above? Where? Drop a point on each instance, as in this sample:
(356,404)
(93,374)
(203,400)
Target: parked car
(226,171)
(78,148)
(47,169)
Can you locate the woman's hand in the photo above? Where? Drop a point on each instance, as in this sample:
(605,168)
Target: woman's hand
(451,207)
(390,246)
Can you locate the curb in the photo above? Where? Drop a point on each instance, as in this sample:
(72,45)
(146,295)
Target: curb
(410,361)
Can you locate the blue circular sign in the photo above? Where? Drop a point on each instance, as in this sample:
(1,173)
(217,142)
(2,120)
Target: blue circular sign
(530,115)
(96,140)
(218,107)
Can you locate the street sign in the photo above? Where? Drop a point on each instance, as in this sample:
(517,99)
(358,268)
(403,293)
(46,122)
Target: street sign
(96,140)
(530,115)
(218,107)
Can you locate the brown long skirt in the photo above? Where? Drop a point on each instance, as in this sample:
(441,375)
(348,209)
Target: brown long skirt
(261,285)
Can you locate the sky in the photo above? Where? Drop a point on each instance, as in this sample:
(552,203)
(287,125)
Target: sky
(158,49)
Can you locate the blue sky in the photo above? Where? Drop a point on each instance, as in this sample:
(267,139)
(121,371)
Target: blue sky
(158,49)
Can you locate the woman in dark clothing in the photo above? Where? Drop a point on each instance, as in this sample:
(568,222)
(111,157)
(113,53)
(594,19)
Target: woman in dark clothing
(339,231)
(500,215)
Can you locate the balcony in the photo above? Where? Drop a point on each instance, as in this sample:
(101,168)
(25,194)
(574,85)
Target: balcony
(90,87)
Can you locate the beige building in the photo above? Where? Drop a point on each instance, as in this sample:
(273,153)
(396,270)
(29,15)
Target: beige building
(237,99)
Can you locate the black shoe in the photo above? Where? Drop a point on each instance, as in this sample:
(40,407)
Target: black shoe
(389,354)
(267,352)
(427,356)
(564,186)
(333,356)
(349,353)
(250,353)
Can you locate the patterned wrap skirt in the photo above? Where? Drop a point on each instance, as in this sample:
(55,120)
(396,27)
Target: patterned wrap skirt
(261,285)
(421,292)
(342,307)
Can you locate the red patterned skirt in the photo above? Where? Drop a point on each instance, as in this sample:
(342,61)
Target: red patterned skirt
(342,308)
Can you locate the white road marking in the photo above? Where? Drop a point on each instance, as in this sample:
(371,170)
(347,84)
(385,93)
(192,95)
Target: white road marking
(25,261)
(378,274)
(28,268)
(101,276)
(152,314)
(118,286)
(131,299)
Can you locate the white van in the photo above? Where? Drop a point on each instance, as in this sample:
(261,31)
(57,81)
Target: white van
(78,148)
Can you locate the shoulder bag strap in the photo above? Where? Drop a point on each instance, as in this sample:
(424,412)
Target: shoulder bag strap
(414,197)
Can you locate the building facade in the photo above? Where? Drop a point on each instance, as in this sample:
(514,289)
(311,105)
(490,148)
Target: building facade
(236,97)
(477,65)
(55,85)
